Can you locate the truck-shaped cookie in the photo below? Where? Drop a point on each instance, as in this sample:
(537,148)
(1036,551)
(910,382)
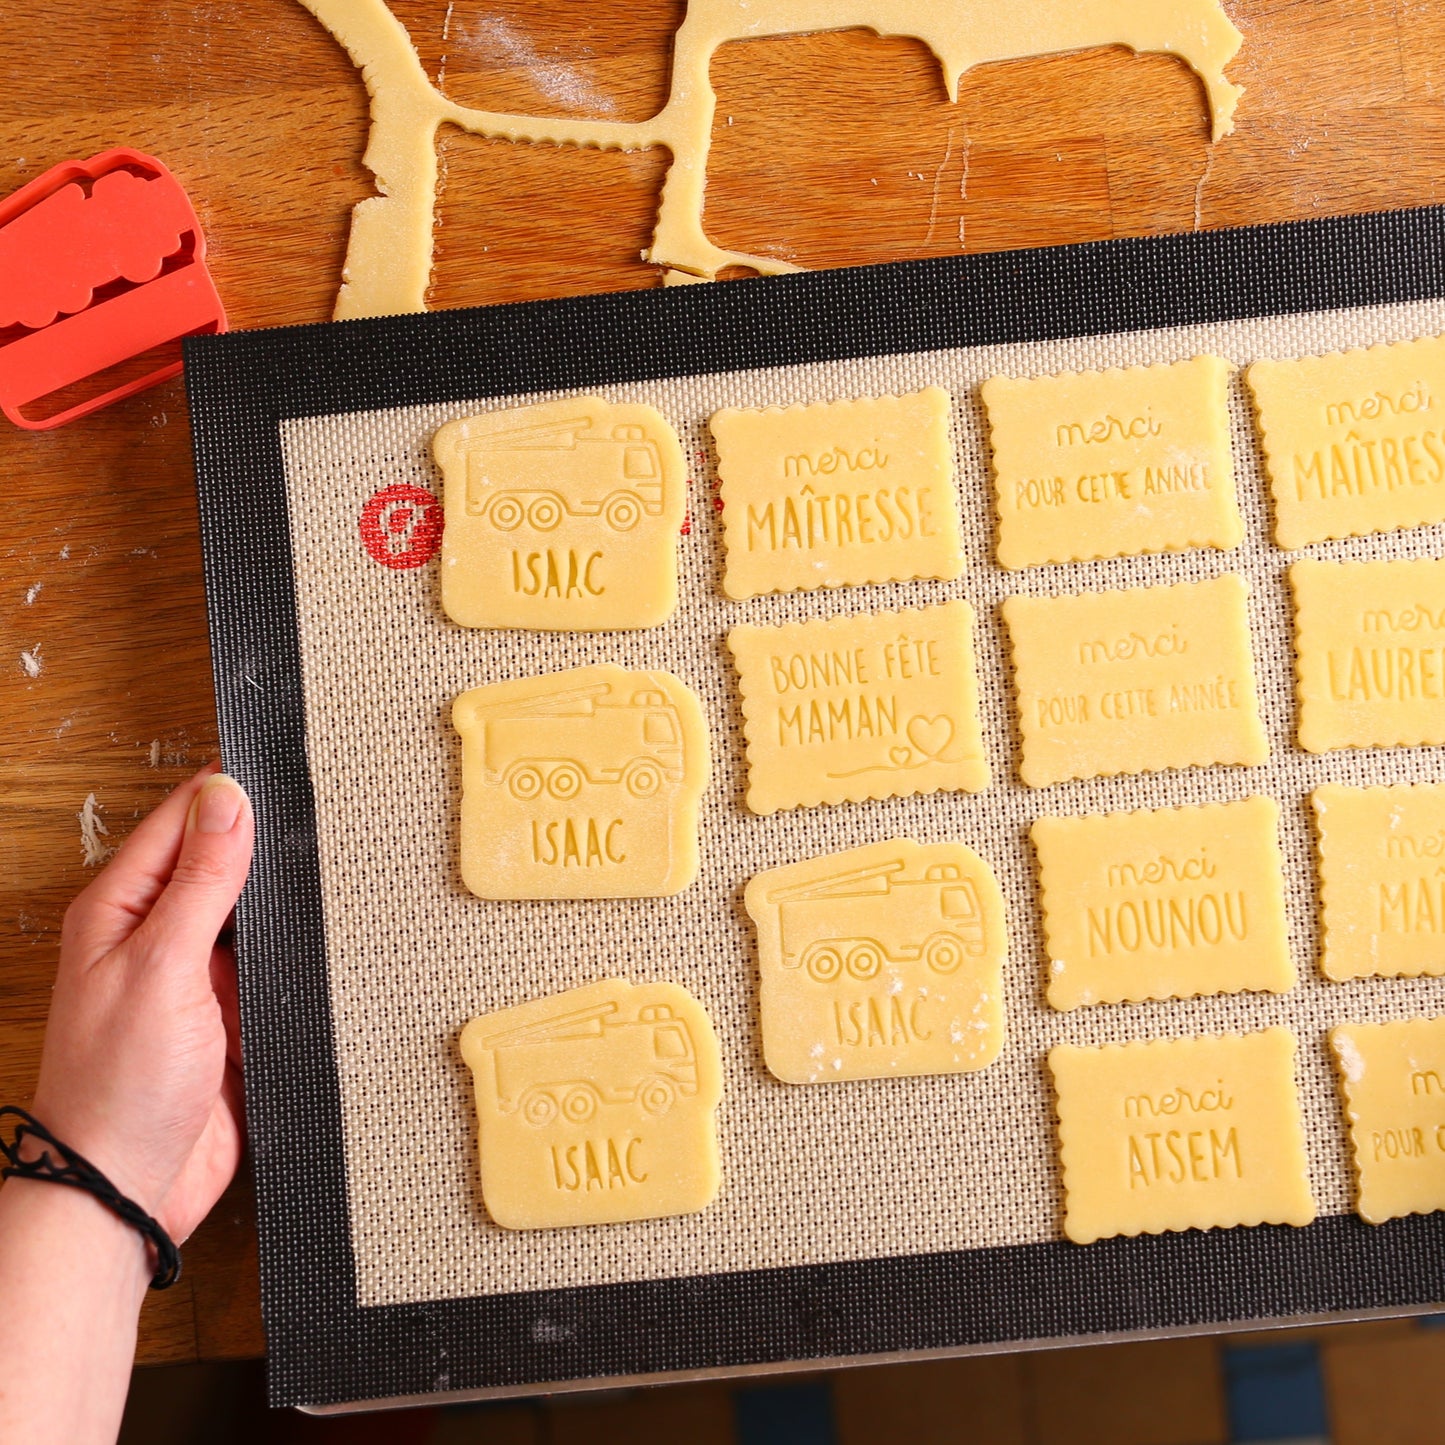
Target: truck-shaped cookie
(576,1061)
(575,467)
(857,920)
(557,741)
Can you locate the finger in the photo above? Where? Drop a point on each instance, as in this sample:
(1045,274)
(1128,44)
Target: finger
(210,869)
(107,912)
(223,985)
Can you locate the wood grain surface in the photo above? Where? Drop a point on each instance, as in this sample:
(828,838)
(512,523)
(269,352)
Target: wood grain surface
(829,150)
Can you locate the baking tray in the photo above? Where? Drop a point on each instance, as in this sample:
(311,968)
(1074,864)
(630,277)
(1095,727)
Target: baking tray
(338,1333)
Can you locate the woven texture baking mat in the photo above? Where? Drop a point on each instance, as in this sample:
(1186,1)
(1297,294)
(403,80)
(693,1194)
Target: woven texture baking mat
(855,1218)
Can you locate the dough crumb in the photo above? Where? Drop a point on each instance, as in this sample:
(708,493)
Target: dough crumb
(92,830)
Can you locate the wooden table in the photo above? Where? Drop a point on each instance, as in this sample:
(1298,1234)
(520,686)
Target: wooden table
(830,150)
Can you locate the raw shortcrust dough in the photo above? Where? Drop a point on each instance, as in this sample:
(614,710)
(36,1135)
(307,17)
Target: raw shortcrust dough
(1369,653)
(388,260)
(1174,903)
(879,706)
(1393,1078)
(562,516)
(837,493)
(1135,681)
(1354,442)
(1170,1134)
(878,961)
(1382,880)
(581,784)
(596,1105)
(1113,463)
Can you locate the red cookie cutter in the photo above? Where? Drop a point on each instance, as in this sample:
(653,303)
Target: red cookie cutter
(100,261)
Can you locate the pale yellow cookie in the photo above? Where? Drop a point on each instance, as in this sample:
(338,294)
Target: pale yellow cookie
(581,784)
(1135,681)
(1172,1134)
(1175,903)
(1353,442)
(1393,1077)
(562,516)
(596,1105)
(1369,653)
(879,961)
(1113,463)
(879,706)
(837,493)
(1382,880)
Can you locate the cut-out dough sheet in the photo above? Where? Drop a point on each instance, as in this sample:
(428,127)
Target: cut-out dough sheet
(809,1174)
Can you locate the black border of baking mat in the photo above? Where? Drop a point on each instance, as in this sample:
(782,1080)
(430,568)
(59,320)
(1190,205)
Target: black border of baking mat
(323,1347)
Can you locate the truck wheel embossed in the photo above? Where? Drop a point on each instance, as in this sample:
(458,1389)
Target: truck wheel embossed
(539,1108)
(643,779)
(943,953)
(622,511)
(565,781)
(657,1095)
(507,514)
(864,960)
(579,1105)
(526,783)
(825,964)
(545,513)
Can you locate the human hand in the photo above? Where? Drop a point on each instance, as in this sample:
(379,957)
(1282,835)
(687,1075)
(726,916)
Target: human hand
(141,1070)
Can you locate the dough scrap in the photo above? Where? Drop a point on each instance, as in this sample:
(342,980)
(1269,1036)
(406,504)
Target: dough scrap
(881,961)
(1113,463)
(562,516)
(388,260)
(1393,1079)
(1369,653)
(581,784)
(1174,903)
(1354,442)
(1135,681)
(1382,867)
(838,493)
(596,1105)
(1173,1134)
(878,706)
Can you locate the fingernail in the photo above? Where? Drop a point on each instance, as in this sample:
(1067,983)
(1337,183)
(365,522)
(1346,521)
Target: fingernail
(219,805)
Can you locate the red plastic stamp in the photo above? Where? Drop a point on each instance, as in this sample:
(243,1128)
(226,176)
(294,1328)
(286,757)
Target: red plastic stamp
(401,526)
(100,261)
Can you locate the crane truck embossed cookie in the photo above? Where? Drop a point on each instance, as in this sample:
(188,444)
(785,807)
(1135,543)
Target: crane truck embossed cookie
(882,960)
(596,1105)
(561,516)
(583,784)
(388,260)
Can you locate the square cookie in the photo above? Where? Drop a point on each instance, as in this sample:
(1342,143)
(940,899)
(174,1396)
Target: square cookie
(1135,681)
(1382,880)
(1175,903)
(581,784)
(879,706)
(881,961)
(596,1105)
(837,493)
(1171,1134)
(1353,441)
(1369,653)
(1113,463)
(1393,1077)
(562,516)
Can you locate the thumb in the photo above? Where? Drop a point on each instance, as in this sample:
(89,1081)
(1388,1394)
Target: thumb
(210,869)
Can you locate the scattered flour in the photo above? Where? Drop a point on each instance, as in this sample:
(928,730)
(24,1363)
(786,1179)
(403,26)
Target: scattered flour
(1352,1062)
(31,663)
(32,592)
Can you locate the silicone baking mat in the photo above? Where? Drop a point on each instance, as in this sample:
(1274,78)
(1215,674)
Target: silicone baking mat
(858,1219)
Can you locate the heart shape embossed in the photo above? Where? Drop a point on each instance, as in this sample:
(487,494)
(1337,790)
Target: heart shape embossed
(900,757)
(931,735)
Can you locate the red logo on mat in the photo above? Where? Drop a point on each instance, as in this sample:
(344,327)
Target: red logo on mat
(401,526)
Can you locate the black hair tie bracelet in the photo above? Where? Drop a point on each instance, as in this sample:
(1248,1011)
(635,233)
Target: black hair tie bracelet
(79,1173)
